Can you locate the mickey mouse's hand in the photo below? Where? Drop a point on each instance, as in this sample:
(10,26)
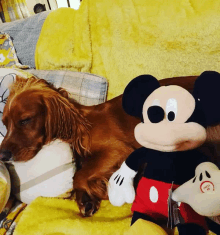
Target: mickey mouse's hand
(120,188)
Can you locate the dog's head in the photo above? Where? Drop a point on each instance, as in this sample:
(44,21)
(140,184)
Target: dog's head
(35,114)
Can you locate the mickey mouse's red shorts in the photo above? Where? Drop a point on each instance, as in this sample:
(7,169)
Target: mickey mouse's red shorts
(152,199)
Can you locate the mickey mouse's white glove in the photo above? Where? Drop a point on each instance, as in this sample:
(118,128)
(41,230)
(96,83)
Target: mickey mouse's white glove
(120,188)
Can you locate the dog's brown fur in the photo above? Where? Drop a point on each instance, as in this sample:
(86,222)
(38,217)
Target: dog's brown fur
(101,135)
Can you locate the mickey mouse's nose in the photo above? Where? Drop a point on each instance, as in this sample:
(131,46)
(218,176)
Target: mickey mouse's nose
(155,114)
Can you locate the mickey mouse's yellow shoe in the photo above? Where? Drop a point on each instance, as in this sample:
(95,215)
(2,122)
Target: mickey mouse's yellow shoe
(145,227)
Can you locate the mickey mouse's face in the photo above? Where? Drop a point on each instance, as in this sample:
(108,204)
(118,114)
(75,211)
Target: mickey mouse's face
(173,119)
(165,127)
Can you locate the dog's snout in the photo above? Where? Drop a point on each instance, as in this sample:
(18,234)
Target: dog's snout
(5,155)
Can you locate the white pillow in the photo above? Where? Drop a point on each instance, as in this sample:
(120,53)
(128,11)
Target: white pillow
(49,174)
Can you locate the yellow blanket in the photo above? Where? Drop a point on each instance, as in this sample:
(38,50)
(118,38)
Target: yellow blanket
(46,216)
(120,39)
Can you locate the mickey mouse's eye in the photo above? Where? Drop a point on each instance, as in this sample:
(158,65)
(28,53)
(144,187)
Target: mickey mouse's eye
(171,116)
(156,102)
(171,109)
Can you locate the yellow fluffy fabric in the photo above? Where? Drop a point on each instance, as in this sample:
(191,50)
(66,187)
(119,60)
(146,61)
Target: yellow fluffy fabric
(64,42)
(47,216)
(120,39)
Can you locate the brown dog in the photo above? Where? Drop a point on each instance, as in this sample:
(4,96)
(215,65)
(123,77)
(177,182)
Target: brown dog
(101,136)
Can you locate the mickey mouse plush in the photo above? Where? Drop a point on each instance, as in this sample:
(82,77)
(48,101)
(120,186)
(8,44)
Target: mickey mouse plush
(173,125)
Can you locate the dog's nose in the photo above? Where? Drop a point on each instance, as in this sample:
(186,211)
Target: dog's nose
(5,155)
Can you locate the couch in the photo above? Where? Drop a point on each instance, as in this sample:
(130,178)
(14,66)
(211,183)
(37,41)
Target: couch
(102,46)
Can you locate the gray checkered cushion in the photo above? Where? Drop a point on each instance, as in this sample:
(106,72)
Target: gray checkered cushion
(87,89)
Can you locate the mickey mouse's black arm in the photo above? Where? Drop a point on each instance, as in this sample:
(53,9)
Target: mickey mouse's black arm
(135,158)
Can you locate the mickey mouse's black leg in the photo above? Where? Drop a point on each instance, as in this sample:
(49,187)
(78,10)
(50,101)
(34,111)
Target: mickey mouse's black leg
(213,226)
(190,229)
(138,215)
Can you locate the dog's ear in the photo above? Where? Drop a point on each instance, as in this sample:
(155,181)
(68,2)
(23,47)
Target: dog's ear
(63,92)
(63,121)
(207,95)
(136,92)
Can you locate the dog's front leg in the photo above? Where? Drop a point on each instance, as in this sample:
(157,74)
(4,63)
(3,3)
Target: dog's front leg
(88,204)
(91,181)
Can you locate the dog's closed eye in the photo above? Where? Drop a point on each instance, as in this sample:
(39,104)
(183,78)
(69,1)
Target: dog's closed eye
(24,121)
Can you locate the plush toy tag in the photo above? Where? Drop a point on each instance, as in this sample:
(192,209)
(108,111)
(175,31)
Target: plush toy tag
(169,222)
(174,216)
(178,219)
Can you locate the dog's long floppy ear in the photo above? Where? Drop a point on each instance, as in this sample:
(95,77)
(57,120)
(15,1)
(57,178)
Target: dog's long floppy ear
(63,121)
(136,92)
(63,92)
(207,95)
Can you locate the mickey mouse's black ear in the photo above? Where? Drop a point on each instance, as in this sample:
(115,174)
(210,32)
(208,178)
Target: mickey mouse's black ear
(207,94)
(136,92)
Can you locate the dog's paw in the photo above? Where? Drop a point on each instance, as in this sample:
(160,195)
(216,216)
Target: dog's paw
(87,205)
